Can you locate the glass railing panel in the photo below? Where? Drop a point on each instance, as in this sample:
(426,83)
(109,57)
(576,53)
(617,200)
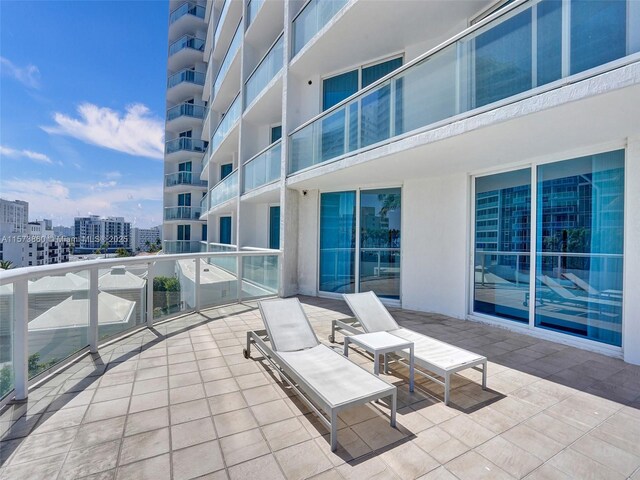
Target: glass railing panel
(224,190)
(226,124)
(253,7)
(263,169)
(6,339)
(58,316)
(187,9)
(182,213)
(489,64)
(228,59)
(259,276)
(189,76)
(173,287)
(268,68)
(204,203)
(180,246)
(186,110)
(122,299)
(184,178)
(219,280)
(223,16)
(185,143)
(186,41)
(315,15)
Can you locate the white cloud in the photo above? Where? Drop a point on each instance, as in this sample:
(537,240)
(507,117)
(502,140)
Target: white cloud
(136,132)
(13,153)
(29,75)
(112,175)
(62,201)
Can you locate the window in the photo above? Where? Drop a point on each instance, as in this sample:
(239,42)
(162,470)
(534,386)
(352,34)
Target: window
(578,244)
(276,133)
(184,232)
(204,232)
(225,170)
(274,227)
(225,230)
(184,200)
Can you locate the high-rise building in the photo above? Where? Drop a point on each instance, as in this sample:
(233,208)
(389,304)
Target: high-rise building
(14,216)
(95,232)
(479,159)
(143,238)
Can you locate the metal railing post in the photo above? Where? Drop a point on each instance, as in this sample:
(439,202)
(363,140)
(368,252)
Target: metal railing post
(92,334)
(197,290)
(150,277)
(21,338)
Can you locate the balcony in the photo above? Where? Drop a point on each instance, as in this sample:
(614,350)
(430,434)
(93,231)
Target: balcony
(262,169)
(183,178)
(185,146)
(187,50)
(268,68)
(204,204)
(184,84)
(253,7)
(482,68)
(182,213)
(313,17)
(185,117)
(226,125)
(224,72)
(221,19)
(225,190)
(187,18)
(177,395)
(180,246)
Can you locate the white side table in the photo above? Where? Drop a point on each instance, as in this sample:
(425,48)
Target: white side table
(381,343)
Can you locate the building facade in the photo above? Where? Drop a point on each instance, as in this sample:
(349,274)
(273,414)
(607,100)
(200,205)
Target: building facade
(95,232)
(14,216)
(37,246)
(143,238)
(479,159)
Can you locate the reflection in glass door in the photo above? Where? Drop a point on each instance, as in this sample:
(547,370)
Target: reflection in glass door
(502,245)
(380,242)
(337,242)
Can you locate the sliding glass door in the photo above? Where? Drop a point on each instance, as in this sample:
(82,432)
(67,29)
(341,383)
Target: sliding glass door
(363,225)
(578,238)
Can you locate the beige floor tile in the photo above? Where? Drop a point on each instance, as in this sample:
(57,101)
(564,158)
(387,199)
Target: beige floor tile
(99,432)
(408,461)
(271,412)
(156,468)
(473,466)
(509,457)
(533,441)
(234,422)
(440,444)
(547,472)
(88,460)
(303,460)
(439,473)
(226,403)
(263,467)
(243,446)
(467,431)
(263,394)
(578,466)
(196,461)
(144,445)
(551,427)
(104,410)
(191,433)
(149,401)
(613,457)
(219,387)
(378,433)
(283,434)
(187,411)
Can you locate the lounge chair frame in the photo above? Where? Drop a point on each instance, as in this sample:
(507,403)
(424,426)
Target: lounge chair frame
(353,326)
(326,413)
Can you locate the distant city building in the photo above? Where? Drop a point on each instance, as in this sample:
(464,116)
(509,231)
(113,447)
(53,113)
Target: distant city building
(28,244)
(93,232)
(140,236)
(62,231)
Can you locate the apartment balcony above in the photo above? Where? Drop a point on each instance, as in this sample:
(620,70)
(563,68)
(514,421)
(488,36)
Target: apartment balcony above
(227,79)
(225,27)
(264,77)
(181,246)
(224,139)
(181,213)
(183,148)
(489,65)
(185,116)
(184,84)
(186,51)
(311,19)
(224,191)
(178,179)
(263,169)
(187,18)
(204,206)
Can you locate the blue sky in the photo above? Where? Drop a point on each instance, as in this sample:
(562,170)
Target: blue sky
(82,107)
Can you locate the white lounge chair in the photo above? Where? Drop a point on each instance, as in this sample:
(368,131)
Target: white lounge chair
(581,284)
(564,295)
(324,379)
(430,354)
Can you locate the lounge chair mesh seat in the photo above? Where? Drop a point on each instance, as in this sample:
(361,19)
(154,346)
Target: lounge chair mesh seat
(430,354)
(325,380)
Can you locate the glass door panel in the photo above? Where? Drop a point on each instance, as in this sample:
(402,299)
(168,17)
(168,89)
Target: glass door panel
(337,242)
(502,245)
(580,213)
(225,230)
(380,242)
(274,227)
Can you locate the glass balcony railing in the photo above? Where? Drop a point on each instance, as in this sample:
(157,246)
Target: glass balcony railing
(224,127)
(186,41)
(315,15)
(204,203)
(183,178)
(221,18)
(188,76)
(182,213)
(228,58)
(186,110)
(264,168)
(186,9)
(253,7)
(180,246)
(185,144)
(224,190)
(520,49)
(266,70)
